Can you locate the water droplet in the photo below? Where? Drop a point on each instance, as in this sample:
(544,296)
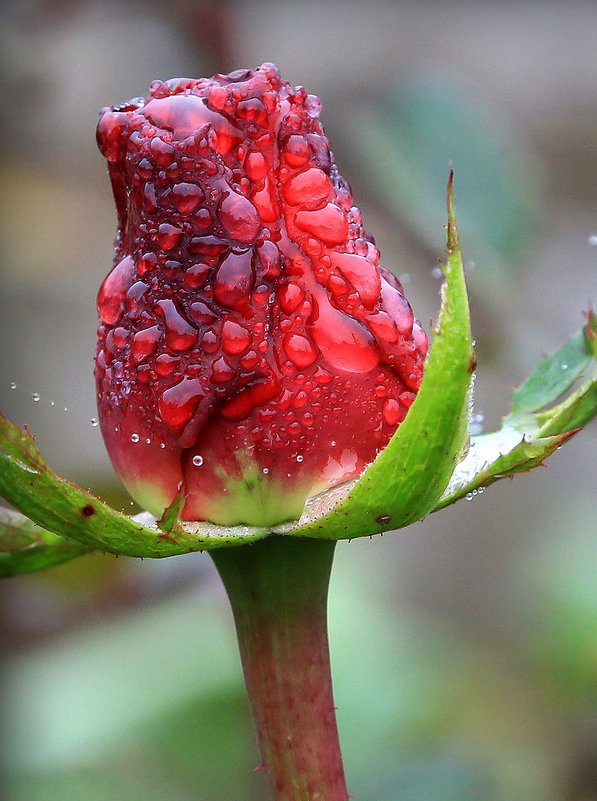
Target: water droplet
(327,224)
(221,371)
(13,385)
(265,201)
(135,438)
(300,350)
(299,458)
(186,197)
(481,490)
(111,295)
(179,403)
(383,519)
(239,217)
(169,236)
(148,441)
(235,338)
(290,296)
(564,366)
(437,272)
(180,334)
(234,280)
(197,460)
(469,496)
(93,421)
(66,408)
(162,444)
(361,273)
(392,411)
(145,343)
(309,186)
(593,239)
(344,342)
(476,424)
(333,443)
(297,150)
(266,470)
(35,397)
(256,166)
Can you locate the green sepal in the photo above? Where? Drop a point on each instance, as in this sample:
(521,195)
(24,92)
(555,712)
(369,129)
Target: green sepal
(49,500)
(530,432)
(25,547)
(412,472)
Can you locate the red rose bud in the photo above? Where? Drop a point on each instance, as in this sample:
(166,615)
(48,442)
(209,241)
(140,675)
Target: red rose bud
(251,349)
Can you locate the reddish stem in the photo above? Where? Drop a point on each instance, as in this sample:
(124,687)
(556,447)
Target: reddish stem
(278,591)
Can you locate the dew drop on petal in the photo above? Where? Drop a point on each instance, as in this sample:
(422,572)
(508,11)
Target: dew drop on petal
(307,187)
(239,217)
(135,438)
(35,397)
(391,411)
(235,338)
(300,350)
(13,385)
(93,422)
(327,224)
(361,273)
(197,460)
(344,342)
(299,458)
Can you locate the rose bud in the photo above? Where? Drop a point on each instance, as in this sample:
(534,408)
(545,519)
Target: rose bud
(252,352)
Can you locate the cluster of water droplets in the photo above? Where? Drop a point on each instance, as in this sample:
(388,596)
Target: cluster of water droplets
(34,396)
(246,290)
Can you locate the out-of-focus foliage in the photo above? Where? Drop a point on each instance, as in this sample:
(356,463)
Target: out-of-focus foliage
(428,123)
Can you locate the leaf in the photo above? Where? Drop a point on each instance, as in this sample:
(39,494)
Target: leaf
(25,547)
(28,484)
(171,517)
(552,377)
(411,473)
(527,435)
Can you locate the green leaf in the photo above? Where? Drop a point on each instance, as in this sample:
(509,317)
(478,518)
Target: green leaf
(411,473)
(28,484)
(25,547)
(552,377)
(530,432)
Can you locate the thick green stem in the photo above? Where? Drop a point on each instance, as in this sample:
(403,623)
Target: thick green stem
(278,590)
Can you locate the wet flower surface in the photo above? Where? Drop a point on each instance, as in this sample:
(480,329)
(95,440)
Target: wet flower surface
(252,351)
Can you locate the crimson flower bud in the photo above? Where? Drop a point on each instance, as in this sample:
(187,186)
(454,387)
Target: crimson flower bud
(252,352)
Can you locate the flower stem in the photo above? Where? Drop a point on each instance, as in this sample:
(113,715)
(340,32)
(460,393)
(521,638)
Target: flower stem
(278,590)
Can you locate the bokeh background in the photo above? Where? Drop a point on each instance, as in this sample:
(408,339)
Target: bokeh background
(464,648)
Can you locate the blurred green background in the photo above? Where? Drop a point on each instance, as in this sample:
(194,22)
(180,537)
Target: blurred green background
(465,648)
